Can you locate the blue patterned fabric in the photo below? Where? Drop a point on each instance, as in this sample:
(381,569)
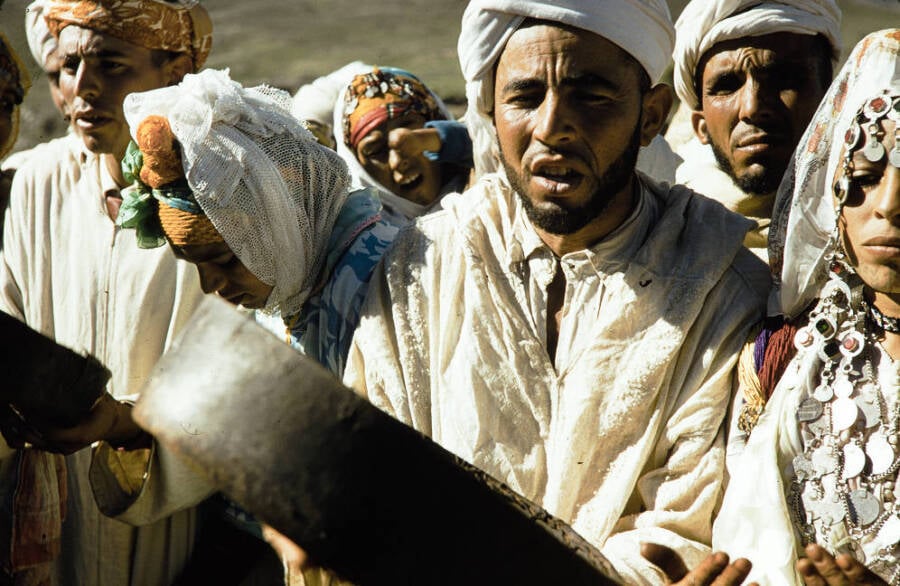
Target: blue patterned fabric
(324,328)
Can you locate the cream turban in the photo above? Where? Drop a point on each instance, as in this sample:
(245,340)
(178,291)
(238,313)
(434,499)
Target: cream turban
(642,28)
(41,41)
(704,23)
(181,26)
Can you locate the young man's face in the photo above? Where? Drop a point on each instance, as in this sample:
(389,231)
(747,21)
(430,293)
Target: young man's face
(870,221)
(758,94)
(568,114)
(97,72)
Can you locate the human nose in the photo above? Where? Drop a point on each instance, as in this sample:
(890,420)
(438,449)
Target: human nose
(888,204)
(756,102)
(86,84)
(553,124)
(211,278)
(397,161)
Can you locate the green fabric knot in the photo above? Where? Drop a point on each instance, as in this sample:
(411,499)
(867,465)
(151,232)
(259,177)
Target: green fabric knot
(140,205)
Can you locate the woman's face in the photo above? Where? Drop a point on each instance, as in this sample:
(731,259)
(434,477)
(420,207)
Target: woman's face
(222,272)
(870,221)
(407,173)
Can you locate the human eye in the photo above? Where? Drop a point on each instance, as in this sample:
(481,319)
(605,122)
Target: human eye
(113,66)
(724,84)
(70,64)
(373,147)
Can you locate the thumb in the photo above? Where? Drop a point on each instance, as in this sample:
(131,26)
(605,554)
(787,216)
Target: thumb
(665,559)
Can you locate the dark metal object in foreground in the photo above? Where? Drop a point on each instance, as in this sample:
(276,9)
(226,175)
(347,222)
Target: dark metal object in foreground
(365,496)
(43,380)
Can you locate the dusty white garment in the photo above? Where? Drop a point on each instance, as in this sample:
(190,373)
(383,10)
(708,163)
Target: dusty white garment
(642,28)
(702,173)
(68,272)
(703,23)
(621,436)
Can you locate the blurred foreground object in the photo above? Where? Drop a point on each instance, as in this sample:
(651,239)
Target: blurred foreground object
(364,495)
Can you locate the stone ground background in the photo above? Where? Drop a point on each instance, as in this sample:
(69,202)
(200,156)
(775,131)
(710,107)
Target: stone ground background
(287,43)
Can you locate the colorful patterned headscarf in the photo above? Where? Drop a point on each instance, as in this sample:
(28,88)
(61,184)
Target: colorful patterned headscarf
(181,26)
(384,94)
(12,70)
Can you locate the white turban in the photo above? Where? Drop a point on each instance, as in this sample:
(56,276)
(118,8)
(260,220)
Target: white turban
(41,41)
(316,100)
(704,23)
(642,28)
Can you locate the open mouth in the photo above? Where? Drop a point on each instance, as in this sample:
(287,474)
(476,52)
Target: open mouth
(557,178)
(411,181)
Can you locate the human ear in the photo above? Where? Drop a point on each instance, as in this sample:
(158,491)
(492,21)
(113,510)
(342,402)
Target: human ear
(655,109)
(698,122)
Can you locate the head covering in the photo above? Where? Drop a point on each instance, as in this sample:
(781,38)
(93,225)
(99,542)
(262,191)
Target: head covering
(642,28)
(12,70)
(181,26)
(41,41)
(704,23)
(805,216)
(315,101)
(380,94)
(267,186)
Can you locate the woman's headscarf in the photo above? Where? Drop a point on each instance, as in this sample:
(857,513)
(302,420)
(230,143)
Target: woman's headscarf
(270,190)
(804,216)
(380,94)
(12,70)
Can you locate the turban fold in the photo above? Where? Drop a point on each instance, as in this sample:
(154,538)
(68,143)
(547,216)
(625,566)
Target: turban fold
(384,94)
(182,27)
(41,41)
(704,23)
(641,28)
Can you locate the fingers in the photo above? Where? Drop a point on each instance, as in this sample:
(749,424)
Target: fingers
(820,568)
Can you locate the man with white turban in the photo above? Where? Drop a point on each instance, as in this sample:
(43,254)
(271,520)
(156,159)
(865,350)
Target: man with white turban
(566,324)
(68,272)
(752,73)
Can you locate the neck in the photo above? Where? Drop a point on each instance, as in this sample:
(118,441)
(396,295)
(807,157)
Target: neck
(621,206)
(889,305)
(114,166)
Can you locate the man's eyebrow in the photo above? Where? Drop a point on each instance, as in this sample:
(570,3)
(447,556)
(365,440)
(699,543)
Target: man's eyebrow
(523,84)
(592,81)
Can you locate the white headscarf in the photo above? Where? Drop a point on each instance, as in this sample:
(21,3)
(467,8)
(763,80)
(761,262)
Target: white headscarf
(268,187)
(642,28)
(805,216)
(704,23)
(316,100)
(41,41)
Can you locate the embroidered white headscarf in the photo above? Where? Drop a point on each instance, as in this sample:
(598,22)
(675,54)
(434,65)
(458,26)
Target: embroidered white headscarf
(704,23)
(642,28)
(269,188)
(805,215)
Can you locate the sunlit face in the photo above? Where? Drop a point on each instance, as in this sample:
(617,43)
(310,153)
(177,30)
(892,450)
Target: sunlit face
(97,72)
(568,111)
(413,177)
(870,221)
(758,94)
(223,273)
(51,69)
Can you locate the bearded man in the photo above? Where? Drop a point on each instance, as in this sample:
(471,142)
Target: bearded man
(68,272)
(567,324)
(752,74)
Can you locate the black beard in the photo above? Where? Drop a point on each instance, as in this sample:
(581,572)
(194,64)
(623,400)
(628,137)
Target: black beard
(562,221)
(762,184)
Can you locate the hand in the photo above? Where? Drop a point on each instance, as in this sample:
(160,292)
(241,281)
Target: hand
(108,420)
(820,568)
(290,554)
(715,570)
(412,143)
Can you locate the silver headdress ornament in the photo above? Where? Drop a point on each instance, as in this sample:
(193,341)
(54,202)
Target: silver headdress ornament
(843,491)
